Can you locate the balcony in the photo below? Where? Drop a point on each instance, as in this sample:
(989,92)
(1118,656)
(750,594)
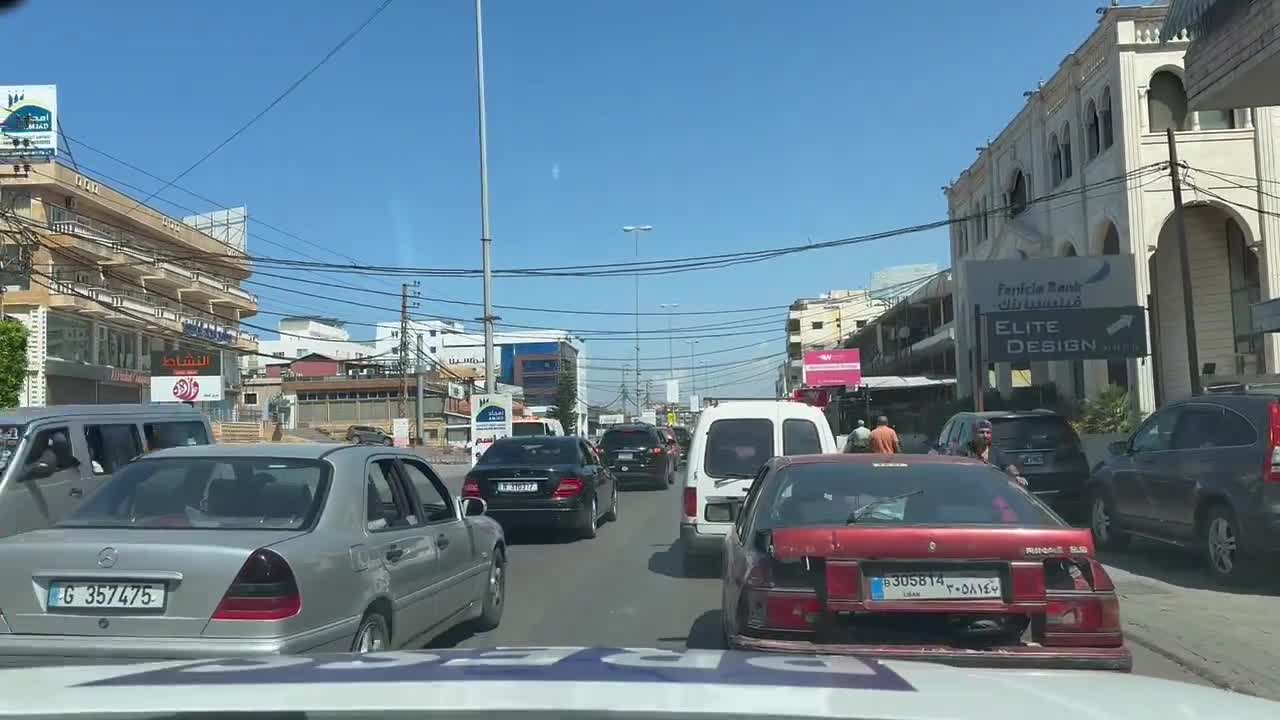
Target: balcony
(79,297)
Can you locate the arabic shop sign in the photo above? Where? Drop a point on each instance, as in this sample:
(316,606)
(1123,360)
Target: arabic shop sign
(205,331)
(174,363)
(1043,335)
(1061,283)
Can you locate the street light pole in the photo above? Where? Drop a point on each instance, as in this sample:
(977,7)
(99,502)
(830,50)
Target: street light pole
(693,376)
(636,230)
(671,355)
(490,381)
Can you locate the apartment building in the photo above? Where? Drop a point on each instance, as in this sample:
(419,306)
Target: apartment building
(1071,175)
(100,281)
(1219,75)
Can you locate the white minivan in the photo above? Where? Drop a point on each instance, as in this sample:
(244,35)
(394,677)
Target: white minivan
(732,440)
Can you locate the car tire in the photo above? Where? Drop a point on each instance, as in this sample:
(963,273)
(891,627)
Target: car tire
(588,531)
(495,594)
(1102,523)
(373,635)
(612,515)
(1221,536)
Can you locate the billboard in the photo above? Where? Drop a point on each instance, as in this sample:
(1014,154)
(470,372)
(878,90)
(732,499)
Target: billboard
(29,123)
(607,420)
(186,377)
(490,420)
(228,227)
(1060,283)
(824,368)
(673,391)
(1042,335)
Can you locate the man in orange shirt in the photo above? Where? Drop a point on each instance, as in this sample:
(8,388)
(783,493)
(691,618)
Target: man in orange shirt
(884,439)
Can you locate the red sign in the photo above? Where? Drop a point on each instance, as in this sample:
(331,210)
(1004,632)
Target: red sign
(824,368)
(816,397)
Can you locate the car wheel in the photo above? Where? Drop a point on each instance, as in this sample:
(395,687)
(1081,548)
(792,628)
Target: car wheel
(588,531)
(373,634)
(1227,561)
(612,515)
(495,594)
(1101,522)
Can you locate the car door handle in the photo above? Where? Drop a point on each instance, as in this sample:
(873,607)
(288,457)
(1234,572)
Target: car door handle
(394,554)
(76,492)
(442,541)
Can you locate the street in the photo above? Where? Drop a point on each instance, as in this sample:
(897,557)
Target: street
(628,587)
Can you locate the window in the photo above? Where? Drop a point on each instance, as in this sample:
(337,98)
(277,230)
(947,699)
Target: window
(1111,241)
(431,349)
(111,447)
(1068,164)
(793,325)
(737,448)
(816,325)
(1033,433)
(1217,119)
(800,437)
(385,508)
(1018,195)
(531,451)
(1166,102)
(1201,427)
(1055,161)
(1246,289)
(986,226)
(69,338)
(251,398)
(1104,118)
(1156,433)
(162,435)
(1092,137)
(53,446)
(632,439)
(861,324)
(436,505)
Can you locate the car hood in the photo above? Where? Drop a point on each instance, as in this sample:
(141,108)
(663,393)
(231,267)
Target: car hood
(613,681)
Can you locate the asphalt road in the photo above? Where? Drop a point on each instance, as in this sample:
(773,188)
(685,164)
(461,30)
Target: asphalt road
(629,587)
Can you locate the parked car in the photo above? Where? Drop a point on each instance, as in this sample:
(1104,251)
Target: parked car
(237,550)
(545,482)
(637,453)
(52,458)
(923,557)
(528,426)
(368,435)
(1043,445)
(731,443)
(1202,473)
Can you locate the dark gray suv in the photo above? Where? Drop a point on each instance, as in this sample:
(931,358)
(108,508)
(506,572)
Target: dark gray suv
(1203,473)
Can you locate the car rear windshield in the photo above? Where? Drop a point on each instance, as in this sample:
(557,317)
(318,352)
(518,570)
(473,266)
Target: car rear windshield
(617,439)
(1033,433)
(528,429)
(961,494)
(550,452)
(738,447)
(246,493)
(682,434)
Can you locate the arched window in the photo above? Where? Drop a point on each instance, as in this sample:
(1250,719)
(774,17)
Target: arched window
(1055,161)
(1069,250)
(1067,163)
(1111,241)
(1167,102)
(1104,118)
(1217,119)
(1091,138)
(1018,195)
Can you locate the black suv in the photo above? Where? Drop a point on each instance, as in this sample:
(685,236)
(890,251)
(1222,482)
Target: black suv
(1202,473)
(637,453)
(1041,443)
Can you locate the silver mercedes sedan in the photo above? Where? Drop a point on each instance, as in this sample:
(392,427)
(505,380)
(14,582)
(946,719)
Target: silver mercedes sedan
(241,550)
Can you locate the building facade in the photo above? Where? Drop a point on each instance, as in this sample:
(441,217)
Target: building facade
(1219,75)
(101,281)
(1077,172)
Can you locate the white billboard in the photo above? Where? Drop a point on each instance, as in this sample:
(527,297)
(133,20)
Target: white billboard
(226,226)
(490,420)
(457,356)
(607,420)
(673,391)
(29,123)
(1060,283)
(188,388)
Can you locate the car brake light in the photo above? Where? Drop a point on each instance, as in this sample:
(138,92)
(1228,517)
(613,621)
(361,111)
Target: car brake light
(782,595)
(1088,613)
(691,502)
(1271,471)
(1081,608)
(264,589)
(471,487)
(658,451)
(568,487)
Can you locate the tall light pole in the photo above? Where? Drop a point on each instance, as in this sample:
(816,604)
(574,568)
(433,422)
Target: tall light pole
(693,377)
(490,379)
(671,355)
(635,231)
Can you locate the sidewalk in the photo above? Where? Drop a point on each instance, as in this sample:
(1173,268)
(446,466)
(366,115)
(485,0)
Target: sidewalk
(1230,637)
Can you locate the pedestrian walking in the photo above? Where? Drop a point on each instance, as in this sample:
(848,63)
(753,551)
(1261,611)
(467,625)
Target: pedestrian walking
(860,438)
(884,439)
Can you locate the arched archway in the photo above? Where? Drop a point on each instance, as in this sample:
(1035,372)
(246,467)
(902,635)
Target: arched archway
(1220,256)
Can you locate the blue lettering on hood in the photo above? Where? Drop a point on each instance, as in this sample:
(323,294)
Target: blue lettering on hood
(553,664)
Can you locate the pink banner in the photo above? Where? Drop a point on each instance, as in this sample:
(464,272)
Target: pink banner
(823,368)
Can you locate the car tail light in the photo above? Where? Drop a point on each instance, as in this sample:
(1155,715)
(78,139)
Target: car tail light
(264,589)
(658,450)
(471,487)
(568,487)
(781,595)
(691,502)
(1082,608)
(1271,471)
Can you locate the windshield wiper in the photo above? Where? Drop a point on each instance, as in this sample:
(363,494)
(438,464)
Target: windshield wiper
(858,514)
(727,478)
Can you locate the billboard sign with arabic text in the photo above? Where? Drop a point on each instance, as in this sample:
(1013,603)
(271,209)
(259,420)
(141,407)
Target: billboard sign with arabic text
(1058,283)
(29,123)
(185,376)
(825,368)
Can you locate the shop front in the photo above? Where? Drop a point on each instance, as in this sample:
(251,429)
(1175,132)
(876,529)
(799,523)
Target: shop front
(69,383)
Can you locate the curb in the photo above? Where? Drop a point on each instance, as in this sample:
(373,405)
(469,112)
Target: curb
(1139,635)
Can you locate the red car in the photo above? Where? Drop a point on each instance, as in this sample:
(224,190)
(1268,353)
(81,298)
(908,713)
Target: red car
(917,557)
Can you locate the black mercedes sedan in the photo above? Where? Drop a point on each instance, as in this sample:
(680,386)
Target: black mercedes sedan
(544,482)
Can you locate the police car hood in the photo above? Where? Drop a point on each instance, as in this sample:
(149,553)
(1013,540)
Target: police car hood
(589,682)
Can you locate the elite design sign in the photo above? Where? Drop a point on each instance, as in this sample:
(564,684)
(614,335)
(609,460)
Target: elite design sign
(1043,335)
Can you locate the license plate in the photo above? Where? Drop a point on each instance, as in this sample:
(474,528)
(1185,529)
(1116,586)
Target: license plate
(936,586)
(1032,459)
(518,487)
(625,456)
(107,595)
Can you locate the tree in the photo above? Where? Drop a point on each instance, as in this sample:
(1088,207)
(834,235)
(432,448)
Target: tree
(566,409)
(13,361)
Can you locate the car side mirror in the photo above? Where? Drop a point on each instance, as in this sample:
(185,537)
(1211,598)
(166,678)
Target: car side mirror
(1119,447)
(473,506)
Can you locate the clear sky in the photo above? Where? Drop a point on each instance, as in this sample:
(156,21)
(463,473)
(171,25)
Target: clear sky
(726,124)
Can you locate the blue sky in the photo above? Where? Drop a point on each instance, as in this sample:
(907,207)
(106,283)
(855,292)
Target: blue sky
(726,124)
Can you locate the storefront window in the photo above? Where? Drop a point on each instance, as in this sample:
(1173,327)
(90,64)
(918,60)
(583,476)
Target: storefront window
(69,338)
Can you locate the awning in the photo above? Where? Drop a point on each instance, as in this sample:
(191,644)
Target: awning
(904,382)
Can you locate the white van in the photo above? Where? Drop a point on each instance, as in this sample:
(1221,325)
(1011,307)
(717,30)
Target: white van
(731,442)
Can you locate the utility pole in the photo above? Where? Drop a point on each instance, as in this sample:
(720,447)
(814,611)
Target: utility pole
(671,353)
(491,380)
(1188,303)
(636,230)
(404,345)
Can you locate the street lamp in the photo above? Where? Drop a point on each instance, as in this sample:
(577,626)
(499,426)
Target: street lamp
(671,362)
(635,230)
(693,378)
